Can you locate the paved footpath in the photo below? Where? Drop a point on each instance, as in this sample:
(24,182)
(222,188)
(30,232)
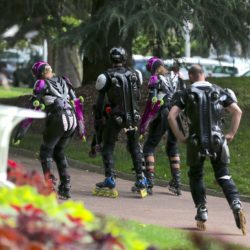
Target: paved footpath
(162,208)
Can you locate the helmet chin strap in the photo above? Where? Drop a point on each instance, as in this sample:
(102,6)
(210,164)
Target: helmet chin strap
(117,64)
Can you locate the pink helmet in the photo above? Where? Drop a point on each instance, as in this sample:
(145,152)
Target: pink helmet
(153,63)
(38,68)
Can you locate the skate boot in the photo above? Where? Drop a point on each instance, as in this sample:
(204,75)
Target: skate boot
(64,188)
(50,181)
(239,216)
(106,188)
(150,183)
(140,186)
(92,152)
(174,183)
(201,217)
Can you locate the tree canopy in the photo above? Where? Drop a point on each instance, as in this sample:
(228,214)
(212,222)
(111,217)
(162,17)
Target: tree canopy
(97,25)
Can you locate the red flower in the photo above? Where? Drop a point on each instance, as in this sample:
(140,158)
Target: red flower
(13,164)
(76,220)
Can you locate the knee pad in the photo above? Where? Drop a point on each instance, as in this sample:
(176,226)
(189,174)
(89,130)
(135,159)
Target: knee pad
(150,166)
(174,162)
(172,150)
(45,152)
(223,179)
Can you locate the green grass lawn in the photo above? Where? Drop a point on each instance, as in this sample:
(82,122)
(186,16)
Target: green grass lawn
(14,92)
(173,239)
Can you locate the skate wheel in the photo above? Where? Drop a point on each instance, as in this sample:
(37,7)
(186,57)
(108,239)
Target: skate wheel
(174,191)
(63,197)
(105,192)
(115,194)
(150,191)
(243,222)
(134,189)
(201,225)
(143,193)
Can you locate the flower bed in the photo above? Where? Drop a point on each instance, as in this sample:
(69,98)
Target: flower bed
(32,218)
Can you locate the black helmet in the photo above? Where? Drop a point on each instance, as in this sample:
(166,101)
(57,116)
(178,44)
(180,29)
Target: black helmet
(118,55)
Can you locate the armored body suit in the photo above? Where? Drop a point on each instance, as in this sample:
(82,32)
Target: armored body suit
(203,104)
(60,124)
(162,88)
(121,88)
(55,95)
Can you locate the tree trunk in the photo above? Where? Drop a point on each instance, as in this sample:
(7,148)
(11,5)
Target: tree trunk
(65,61)
(96,64)
(68,63)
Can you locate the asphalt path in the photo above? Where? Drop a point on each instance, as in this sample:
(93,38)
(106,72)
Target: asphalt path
(162,208)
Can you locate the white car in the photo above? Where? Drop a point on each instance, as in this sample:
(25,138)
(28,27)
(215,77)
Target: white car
(246,74)
(230,70)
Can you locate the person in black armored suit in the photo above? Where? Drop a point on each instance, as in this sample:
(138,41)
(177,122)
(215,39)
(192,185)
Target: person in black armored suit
(204,104)
(119,87)
(162,85)
(53,94)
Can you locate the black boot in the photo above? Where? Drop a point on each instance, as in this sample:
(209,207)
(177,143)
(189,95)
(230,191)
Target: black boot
(64,188)
(202,213)
(174,184)
(150,182)
(51,181)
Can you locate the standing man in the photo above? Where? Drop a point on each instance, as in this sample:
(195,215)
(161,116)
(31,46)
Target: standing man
(162,85)
(120,86)
(203,103)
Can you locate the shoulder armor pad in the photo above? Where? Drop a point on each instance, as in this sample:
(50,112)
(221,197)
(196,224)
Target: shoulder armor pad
(153,81)
(101,82)
(39,86)
(231,94)
(139,76)
(67,80)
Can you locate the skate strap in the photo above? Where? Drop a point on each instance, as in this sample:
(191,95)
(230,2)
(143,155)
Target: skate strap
(150,166)
(150,163)
(174,162)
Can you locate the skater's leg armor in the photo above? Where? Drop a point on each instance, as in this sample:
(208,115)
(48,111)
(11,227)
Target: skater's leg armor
(108,160)
(46,158)
(135,151)
(197,186)
(61,161)
(225,181)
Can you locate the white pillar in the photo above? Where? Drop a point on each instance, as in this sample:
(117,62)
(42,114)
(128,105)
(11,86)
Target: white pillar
(187,30)
(9,117)
(187,44)
(45,50)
